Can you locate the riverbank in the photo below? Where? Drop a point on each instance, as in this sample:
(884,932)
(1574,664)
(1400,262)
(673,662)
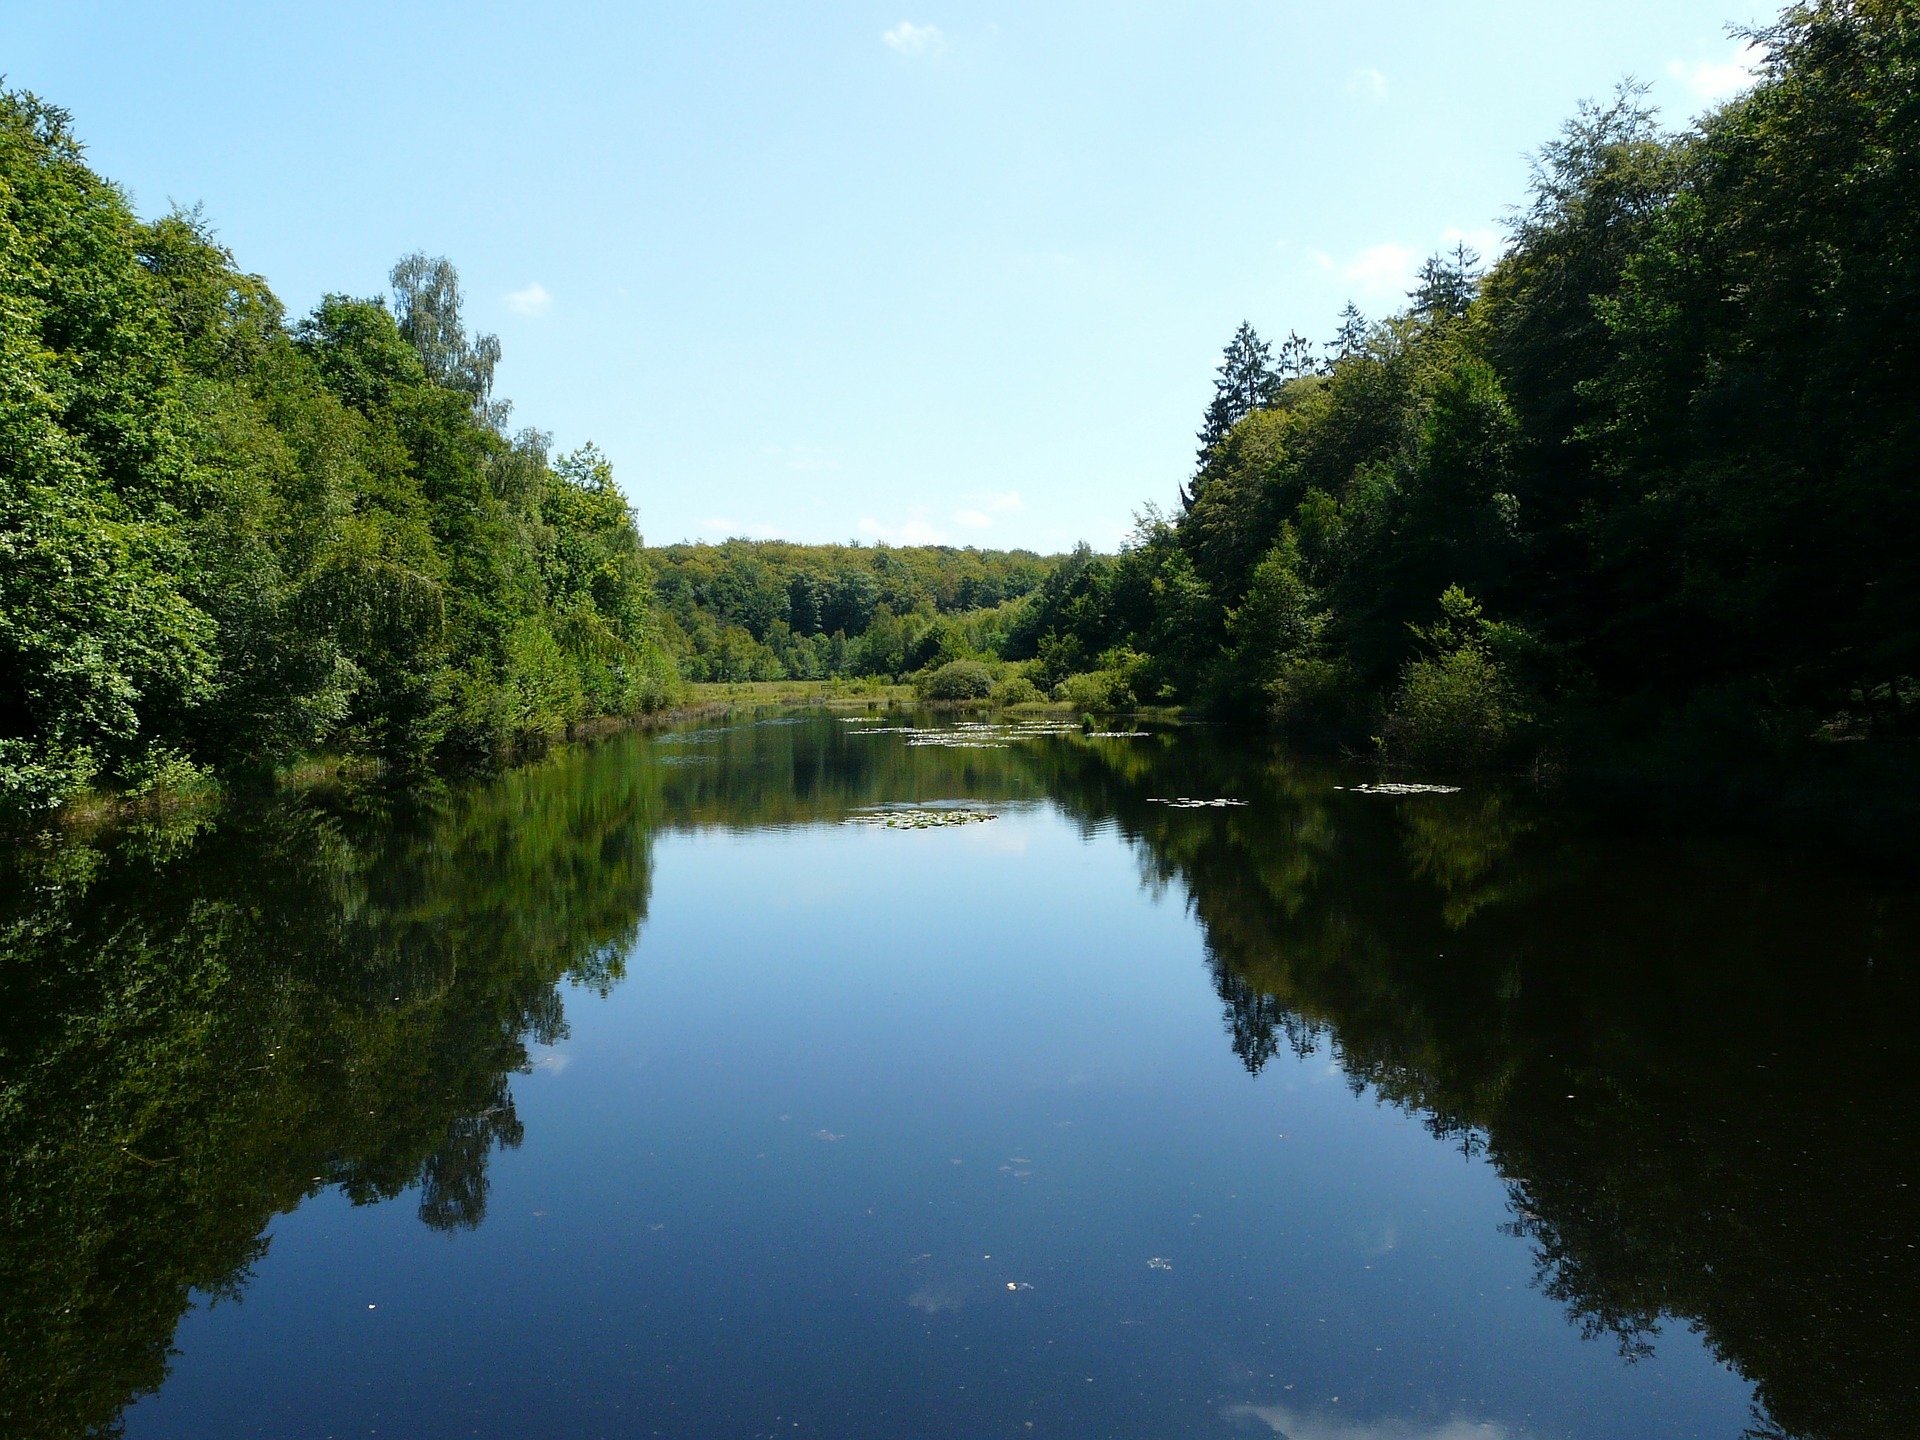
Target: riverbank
(729,693)
(194,791)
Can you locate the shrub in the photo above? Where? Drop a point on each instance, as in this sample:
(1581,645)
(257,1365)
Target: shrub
(1316,697)
(1095,690)
(957,680)
(1016,690)
(1460,704)
(1456,709)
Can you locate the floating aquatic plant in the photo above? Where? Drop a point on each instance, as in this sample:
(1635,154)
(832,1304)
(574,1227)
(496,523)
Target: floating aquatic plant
(977,734)
(1396,787)
(919,819)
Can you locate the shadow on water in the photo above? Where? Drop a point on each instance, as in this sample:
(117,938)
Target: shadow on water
(1691,1061)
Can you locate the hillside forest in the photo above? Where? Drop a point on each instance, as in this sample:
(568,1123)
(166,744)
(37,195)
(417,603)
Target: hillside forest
(1646,478)
(228,540)
(1645,483)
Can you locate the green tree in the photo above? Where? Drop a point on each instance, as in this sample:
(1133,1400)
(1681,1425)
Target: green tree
(1245,381)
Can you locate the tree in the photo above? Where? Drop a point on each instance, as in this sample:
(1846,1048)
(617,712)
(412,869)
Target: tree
(1447,285)
(426,306)
(1350,339)
(1247,381)
(1296,357)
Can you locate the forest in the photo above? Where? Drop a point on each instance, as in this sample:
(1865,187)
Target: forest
(1644,484)
(1645,481)
(771,610)
(230,541)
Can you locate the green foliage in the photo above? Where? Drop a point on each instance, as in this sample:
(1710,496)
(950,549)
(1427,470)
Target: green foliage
(1279,622)
(1246,381)
(1457,704)
(1097,691)
(1017,689)
(224,542)
(1669,435)
(772,610)
(957,680)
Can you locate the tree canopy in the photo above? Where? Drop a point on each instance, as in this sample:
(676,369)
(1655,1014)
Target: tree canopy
(231,541)
(1663,447)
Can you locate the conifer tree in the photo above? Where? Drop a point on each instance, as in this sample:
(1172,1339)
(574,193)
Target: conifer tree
(1247,381)
(1296,357)
(1447,285)
(1350,339)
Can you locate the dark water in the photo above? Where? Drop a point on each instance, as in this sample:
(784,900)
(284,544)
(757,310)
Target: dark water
(640,1093)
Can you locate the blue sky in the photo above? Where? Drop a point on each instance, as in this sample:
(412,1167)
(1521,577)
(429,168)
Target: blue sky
(951,272)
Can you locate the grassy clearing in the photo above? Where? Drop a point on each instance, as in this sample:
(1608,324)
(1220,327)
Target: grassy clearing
(715,697)
(797,692)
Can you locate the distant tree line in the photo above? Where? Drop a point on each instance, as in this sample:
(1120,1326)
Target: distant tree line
(771,610)
(228,541)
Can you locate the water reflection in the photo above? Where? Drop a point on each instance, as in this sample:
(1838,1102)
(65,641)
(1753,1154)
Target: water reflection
(1690,1061)
(202,1024)
(1296,1425)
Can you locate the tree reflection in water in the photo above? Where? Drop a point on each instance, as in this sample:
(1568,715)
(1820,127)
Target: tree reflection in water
(1691,1060)
(1688,1059)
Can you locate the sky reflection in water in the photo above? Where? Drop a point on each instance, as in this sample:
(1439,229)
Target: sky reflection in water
(1333,1116)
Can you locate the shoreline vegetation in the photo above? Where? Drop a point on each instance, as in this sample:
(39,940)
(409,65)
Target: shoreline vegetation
(1634,502)
(1636,499)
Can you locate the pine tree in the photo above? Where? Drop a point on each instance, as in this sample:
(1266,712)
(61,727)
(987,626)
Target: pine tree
(1296,357)
(1447,285)
(1247,382)
(1350,339)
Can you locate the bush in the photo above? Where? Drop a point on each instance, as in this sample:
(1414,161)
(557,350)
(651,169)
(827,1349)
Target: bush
(1460,704)
(1095,690)
(1455,709)
(1017,690)
(957,680)
(1316,698)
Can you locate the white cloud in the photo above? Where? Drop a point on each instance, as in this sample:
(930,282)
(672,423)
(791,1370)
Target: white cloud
(1386,269)
(811,459)
(533,302)
(987,504)
(1294,1425)
(1715,80)
(1367,83)
(1385,273)
(907,38)
(916,529)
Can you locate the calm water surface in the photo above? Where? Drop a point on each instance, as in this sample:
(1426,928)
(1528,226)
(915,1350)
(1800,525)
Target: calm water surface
(652,1091)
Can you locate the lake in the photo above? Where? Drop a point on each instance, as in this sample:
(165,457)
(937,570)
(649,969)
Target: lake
(871,1074)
